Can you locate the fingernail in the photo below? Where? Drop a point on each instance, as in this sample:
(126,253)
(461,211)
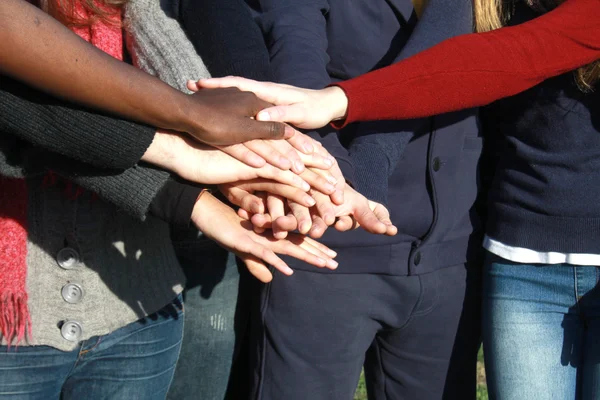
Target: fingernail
(308,148)
(331,179)
(328,162)
(332,264)
(287,270)
(305,186)
(304,226)
(330,188)
(285,163)
(331,253)
(263,116)
(310,201)
(299,166)
(329,219)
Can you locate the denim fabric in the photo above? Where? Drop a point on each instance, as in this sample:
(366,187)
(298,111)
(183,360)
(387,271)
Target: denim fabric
(212,332)
(541,330)
(420,335)
(134,362)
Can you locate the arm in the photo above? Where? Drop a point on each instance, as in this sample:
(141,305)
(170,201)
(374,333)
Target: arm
(463,72)
(477,69)
(37,49)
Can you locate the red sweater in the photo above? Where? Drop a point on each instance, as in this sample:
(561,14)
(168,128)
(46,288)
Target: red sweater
(477,69)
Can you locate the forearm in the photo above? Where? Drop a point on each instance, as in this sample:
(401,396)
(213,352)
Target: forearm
(477,69)
(40,51)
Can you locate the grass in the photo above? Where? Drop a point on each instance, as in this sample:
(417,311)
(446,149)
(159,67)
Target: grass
(361,390)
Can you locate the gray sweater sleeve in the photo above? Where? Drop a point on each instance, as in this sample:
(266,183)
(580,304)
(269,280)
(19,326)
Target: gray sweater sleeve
(441,20)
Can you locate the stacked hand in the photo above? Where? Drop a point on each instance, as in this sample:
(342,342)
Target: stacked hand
(280,185)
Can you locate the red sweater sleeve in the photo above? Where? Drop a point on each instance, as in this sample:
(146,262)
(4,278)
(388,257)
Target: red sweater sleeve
(476,69)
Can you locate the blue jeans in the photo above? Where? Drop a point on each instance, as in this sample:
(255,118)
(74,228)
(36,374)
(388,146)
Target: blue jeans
(541,330)
(215,322)
(134,362)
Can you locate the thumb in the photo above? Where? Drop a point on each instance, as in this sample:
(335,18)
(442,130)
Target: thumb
(368,220)
(294,114)
(383,215)
(192,86)
(269,130)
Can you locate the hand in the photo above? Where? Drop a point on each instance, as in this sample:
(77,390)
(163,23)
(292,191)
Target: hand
(304,108)
(225,116)
(203,164)
(245,194)
(371,216)
(294,153)
(220,223)
(356,211)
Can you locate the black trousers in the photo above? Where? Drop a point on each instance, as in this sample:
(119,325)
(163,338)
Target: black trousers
(417,336)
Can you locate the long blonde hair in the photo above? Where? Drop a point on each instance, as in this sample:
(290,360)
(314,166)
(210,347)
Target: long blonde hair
(494,14)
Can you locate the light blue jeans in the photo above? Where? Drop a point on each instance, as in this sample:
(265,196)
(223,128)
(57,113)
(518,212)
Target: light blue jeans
(134,362)
(541,331)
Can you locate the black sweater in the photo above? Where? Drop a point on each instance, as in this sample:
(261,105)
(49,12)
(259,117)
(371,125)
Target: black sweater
(545,190)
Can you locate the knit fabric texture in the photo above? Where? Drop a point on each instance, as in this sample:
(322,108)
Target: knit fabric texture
(158,44)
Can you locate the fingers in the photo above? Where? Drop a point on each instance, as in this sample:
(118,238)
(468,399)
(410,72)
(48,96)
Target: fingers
(270,153)
(319,182)
(368,220)
(302,216)
(317,161)
(345,223)
(276,208)
(280,189)
(335,177)
(318,227)
(261,250)
(272,92)
(266,130)
(284,148)
(383,215)
(244,154)
(304,250)
(320,246)
(294,114)
(324,208)
(302,143)
(286,223)
(257,268)
(243,198)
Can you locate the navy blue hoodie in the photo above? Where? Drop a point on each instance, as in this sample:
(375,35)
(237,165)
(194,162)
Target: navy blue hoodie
(433,184)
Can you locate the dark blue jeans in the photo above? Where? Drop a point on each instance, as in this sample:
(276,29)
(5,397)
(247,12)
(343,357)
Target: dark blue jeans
(134,362)
(541,330)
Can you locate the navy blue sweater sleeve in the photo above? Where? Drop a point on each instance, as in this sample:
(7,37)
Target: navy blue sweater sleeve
(441,20)
(296,38)
(227,38)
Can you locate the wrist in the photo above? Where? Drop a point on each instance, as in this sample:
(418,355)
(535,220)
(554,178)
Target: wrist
(162,151)
(199,212)
(336,99)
